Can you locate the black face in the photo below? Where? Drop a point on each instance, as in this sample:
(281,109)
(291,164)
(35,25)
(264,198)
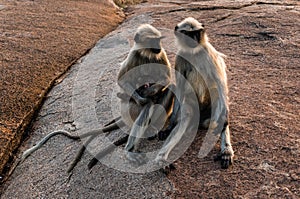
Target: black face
(155,50)
(190,38)
(154,45)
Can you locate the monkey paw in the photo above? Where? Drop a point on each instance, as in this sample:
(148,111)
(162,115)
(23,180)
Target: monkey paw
(167,169)
(161,162)
(142,101)
(136,158)
(162,135)
(226,157)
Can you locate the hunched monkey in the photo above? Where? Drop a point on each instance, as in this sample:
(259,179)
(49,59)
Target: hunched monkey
(148,83)
(146,97)
(200,64)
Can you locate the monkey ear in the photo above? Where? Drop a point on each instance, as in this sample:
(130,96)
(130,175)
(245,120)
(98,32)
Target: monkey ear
(137,38)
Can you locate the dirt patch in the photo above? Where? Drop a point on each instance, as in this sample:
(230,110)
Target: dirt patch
(39,41)
(262,43)
(125,3)
(261,40)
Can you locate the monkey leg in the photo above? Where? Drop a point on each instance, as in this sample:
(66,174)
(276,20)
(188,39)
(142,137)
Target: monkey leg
(186,123)
(113,125)
(171,105)
(137,132)
(226,148)
(220,125)
(106,151)
(150,121)
(162,135)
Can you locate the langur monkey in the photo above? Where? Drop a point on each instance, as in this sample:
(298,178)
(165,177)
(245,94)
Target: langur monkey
(147,84)
(144,79)
(203,67)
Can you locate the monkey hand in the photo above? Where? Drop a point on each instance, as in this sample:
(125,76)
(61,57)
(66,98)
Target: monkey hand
(226,157)
(140,100)
(150,91)
(163,135)
(167,169)
(154,89)
(143,101)
(161,162)
(123,96)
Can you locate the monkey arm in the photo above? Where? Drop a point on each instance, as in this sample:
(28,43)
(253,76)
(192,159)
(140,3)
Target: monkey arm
(128,88)
(220,123)
(179,93)
(152,90)
(160,85)
(219,92)
(123,96)
(187,123)
(124,82)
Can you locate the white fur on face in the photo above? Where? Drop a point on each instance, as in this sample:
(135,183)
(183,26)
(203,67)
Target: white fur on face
(147,31)
(190,24)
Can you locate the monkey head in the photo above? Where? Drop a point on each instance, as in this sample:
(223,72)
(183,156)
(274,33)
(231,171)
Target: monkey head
(148,40)
(190,33)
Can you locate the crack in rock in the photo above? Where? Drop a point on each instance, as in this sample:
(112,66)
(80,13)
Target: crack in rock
(205,7)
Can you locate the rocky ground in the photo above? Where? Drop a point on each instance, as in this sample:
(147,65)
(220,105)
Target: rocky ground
(261,40)
(39,41)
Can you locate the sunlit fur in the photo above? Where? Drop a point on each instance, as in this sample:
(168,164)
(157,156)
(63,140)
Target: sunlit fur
(140,54)
(147,34)
(218,69)
(145,118)
(204,68)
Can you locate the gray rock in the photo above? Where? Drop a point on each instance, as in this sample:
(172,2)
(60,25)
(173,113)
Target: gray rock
(80,103)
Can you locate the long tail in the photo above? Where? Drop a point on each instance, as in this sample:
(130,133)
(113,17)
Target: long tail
(80,154)
(28,152)
(113,125)
(106,151)
(107,128)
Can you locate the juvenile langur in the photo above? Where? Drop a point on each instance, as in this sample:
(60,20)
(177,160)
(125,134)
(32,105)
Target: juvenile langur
(203,67)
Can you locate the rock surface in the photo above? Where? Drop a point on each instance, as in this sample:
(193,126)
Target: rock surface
(39,41)
(261,40)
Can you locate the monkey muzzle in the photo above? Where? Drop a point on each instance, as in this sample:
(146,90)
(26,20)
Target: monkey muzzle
(155,50)
(190,38)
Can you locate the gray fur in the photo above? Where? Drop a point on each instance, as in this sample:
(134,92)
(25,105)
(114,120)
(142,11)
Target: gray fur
(141,67)
(204,68)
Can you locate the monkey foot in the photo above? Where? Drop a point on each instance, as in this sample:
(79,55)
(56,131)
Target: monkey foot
(162,135)
(226,158)
(136,158)
(161,162)
(167,169)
